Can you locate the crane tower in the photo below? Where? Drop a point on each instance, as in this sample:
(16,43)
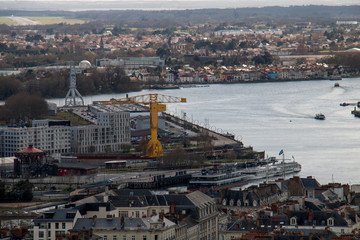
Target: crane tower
(155,101)
(73,97)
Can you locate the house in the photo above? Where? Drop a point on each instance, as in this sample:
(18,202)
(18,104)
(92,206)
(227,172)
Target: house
(318,220)
(303,187)
(195,213)
(55,223)
(157,227)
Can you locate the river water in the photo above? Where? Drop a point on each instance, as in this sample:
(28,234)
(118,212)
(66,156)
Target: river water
(275,116)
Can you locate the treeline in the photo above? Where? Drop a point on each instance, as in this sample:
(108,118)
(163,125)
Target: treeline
(21,191)
(166,18)
(56,85)
(20,108)
(350,61)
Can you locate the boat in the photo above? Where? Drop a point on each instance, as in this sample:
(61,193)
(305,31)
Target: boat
(344,104)
(336,85)
(320,116)
(335,77)
(218,178)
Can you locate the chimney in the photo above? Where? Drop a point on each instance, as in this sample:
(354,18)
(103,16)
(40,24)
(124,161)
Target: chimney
(310,215)
(309,177)
(122,220)
(172,208)
(93,220)
(161,216)
(288,213)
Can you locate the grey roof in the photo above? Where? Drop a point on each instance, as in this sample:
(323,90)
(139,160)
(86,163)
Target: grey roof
(310,183)
(144,223)
(200,199)
(97,223)
(131,192)
(235,196)
(115,223)
(58,215)
(128,201)
(318,218)
(84,208)
(242,225)
(189,222)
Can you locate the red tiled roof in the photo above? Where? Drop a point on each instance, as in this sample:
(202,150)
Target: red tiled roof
(30,149)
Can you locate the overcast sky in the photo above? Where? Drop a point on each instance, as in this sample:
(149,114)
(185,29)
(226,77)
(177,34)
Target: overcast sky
(157,4)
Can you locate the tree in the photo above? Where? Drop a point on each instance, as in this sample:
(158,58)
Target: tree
(266,58)
(23,106)
(24,190)
(163,52)
(2,190)
(66,39)
(9,86)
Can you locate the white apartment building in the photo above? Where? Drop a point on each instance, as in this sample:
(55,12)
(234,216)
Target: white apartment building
(53,139)
(108,131)
(111,131)
(131,62)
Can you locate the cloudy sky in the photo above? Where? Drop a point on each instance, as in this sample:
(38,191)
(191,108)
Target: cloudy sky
(157,4)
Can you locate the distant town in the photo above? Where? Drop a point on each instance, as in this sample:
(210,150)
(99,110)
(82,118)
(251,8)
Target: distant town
(119,170)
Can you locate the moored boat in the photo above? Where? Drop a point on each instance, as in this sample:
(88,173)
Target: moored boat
(218,178)
(335,77)
(320,116)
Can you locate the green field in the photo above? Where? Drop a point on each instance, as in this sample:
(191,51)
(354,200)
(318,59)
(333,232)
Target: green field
(7,21)
(43,20)
(55,20)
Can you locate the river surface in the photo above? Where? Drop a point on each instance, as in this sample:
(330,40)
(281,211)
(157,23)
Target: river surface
(275,116)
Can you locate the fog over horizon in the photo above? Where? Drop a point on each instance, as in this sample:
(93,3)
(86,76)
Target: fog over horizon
(83,5)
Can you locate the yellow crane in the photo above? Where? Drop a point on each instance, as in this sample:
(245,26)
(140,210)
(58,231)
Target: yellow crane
(155,101)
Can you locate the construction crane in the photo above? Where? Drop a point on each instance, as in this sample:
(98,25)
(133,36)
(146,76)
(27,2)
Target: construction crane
(155,101)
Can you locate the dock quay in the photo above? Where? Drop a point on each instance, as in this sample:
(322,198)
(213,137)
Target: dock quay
(161,181)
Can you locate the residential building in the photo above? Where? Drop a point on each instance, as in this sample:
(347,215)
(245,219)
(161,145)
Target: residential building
(110,131)
(55,224)
(54,139)
(130,62)
(153,228)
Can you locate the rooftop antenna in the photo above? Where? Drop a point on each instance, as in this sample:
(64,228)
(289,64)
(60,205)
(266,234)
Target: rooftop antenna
(73,97)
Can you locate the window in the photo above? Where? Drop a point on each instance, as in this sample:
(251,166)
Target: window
(49,234)
(41,234)
(49,225)
(330,222)
(63,225)
(132,237)
(144,237)
(293,221)
(105,237)
(124,237)
(56,225)
(137,214)
(123,214)
(114,237)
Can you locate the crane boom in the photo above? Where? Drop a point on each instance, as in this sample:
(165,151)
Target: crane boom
(145,99)
(155,101)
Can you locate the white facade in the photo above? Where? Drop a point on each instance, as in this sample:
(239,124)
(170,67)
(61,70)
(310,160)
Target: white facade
(55,139)
(110,133)
(131,62)
(54,227)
